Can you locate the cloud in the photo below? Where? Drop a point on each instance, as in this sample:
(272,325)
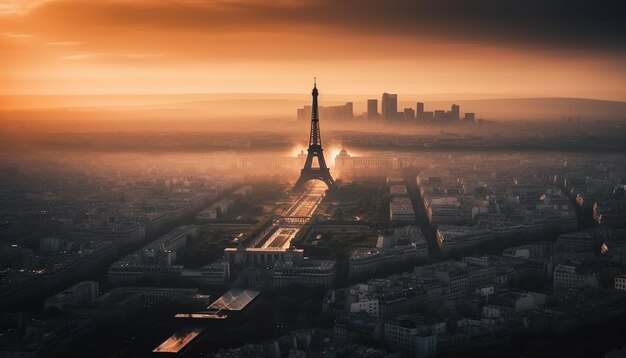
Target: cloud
(65,43)
(326,30)
(577,24)
(18,7)
(14,35)
(111,56)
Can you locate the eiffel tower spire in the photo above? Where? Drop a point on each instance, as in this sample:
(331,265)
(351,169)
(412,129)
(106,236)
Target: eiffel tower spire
(315,149)
(316,138)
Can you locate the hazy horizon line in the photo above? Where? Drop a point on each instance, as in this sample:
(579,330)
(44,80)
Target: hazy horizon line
(487,96)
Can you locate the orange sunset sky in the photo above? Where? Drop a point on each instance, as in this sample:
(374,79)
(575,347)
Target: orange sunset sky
(497,48)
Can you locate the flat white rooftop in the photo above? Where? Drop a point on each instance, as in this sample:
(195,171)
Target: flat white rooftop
(234,300)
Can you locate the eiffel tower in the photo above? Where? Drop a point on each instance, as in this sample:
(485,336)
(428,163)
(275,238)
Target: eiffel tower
(309,172)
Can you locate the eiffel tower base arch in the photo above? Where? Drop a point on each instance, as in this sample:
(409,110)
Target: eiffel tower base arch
(315,174)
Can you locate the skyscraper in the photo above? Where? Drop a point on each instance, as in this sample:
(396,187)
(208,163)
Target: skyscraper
(390,106)
(349,110)
(409,114)
(455,112)
(372,108)
(419,111)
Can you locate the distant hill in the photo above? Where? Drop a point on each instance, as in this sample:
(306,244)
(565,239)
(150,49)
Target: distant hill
(537,108)
(285,105)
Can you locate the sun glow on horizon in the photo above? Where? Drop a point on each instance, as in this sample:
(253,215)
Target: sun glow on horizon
(56,47)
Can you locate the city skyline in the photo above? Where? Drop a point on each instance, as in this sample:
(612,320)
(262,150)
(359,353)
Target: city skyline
(389,112)
(313,178)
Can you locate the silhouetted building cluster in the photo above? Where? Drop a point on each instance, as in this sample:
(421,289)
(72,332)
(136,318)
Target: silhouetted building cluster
(390,112)
(344,111)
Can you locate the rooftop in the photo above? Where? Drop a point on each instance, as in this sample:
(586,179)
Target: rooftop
(179,340)
(234,300)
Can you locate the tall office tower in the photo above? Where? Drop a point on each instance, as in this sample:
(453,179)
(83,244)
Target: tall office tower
(304,112)
(409,114)
(349,110)
(390,106)
(372,108)
(419,110)
(455,112)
